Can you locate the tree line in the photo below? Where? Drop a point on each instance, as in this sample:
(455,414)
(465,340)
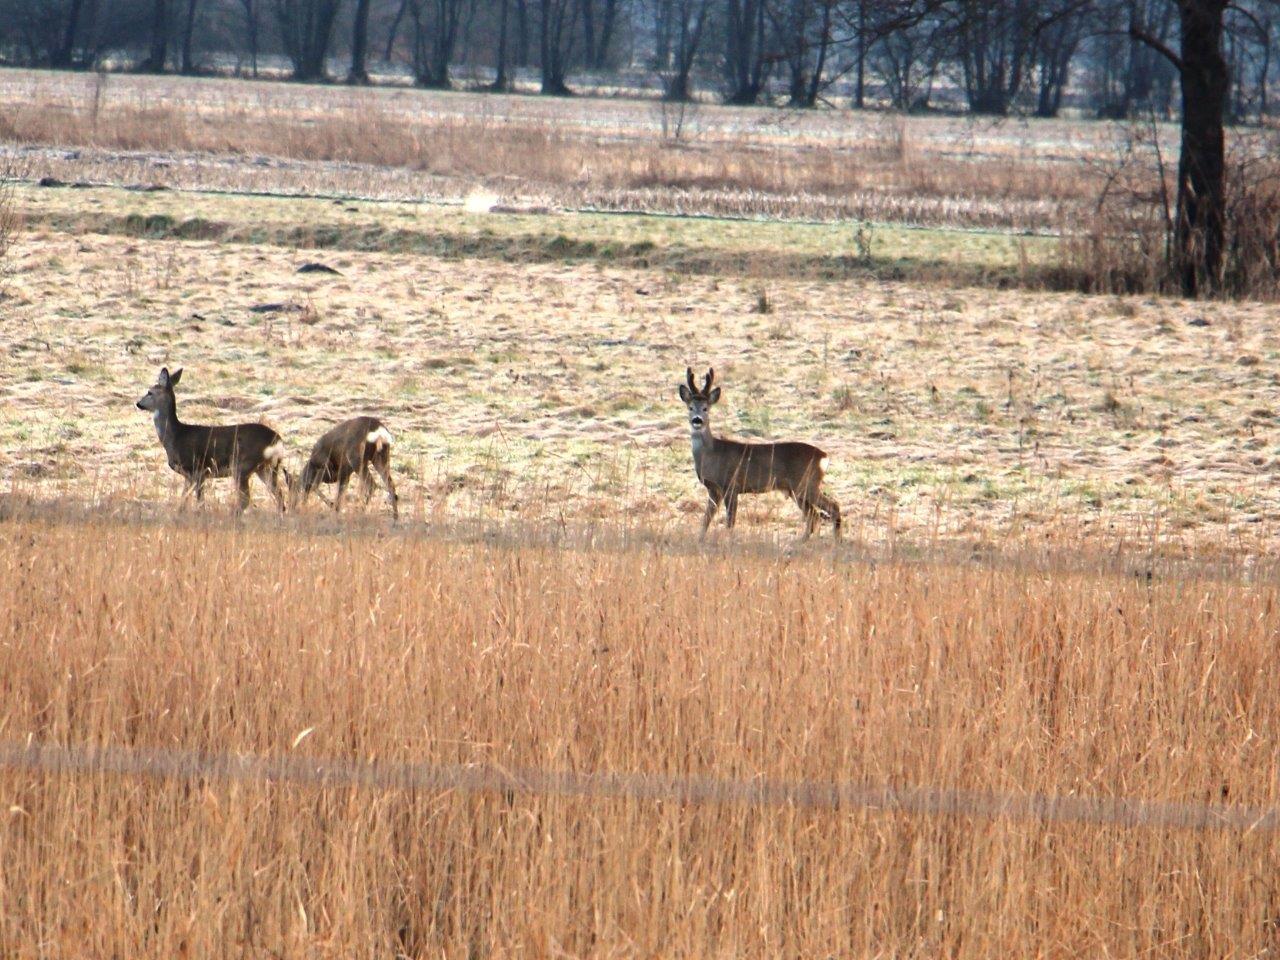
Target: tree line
(1105,57)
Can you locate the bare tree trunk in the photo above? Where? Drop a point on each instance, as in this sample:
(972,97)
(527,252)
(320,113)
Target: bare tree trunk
(159,38)
(188,30)
(501,81)
(1200,225)
(555,30)
(744,61)
(64,56)
(251,26)
(824,44)
(860,87)
(395,29)
(522,46)
(1206,84)
(359,72)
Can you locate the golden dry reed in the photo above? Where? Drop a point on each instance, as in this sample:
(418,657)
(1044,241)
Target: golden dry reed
(393,649)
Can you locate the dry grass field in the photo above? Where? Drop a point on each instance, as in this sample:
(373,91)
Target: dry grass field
(1056,579)
(528,366)
(633,659)
(409,144)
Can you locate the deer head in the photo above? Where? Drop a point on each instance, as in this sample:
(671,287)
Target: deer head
(699,401)
(161,395)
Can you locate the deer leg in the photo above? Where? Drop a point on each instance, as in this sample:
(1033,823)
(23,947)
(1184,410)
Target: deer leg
(730,510)
(270,475)
(831,510)
(811,515)
(188,488)
(713,504)
(383,466)
(343,478)
(242,489)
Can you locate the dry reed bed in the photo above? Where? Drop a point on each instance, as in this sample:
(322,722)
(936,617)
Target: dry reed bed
(627,661)
(897,170)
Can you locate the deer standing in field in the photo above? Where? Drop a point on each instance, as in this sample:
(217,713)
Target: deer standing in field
(350,448)
(728,468)
(202,453)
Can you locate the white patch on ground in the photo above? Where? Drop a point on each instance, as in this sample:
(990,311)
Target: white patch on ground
(480,201)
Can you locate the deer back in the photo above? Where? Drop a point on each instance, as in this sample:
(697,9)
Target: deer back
(223,450)
(739,467)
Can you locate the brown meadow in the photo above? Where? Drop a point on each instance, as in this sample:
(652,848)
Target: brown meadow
(619,658)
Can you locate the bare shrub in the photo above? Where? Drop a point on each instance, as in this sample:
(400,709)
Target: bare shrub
(10,218)
(1127,244)
(1252,262)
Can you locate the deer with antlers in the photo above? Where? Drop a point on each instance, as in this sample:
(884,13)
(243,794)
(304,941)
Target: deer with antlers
(728,468)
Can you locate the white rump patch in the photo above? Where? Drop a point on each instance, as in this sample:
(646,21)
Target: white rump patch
(274,453)
(822,464)
(379,437)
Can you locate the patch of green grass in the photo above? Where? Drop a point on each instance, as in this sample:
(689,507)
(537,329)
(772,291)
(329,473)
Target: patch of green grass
(684,246)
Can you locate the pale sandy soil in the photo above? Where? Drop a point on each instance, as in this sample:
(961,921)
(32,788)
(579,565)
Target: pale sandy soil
(548,390)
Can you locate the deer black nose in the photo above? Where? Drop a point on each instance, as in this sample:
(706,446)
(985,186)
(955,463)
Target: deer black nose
(139,405)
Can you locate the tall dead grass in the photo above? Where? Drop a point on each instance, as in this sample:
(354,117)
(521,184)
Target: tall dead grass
(628,660)
(876,177)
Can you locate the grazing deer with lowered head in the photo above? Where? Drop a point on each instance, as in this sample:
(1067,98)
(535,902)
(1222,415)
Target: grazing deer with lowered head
(202,453)
(350,448)
(730,467)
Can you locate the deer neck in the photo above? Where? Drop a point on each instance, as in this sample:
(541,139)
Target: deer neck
(167,426)
(703,445)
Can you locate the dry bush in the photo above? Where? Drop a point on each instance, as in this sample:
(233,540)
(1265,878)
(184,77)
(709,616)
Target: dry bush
(10,218)
(632,659)
(1127,245)
(1252,261)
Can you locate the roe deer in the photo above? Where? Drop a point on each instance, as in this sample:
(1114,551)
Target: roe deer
(352,447)
(730,467)
(201,453)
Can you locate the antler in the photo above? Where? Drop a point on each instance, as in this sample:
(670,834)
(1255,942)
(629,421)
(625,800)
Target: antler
(688,372)
(706,383)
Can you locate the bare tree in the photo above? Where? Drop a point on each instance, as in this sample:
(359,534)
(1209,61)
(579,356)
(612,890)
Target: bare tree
(687,21)
(906,60)
(64,54)
(556,37)
(745,66)
(250,8)
(435,35)
(158,54)
(1202,69)
(188,33)
(306,29)
(1056,48)
(359,72)
(599,21)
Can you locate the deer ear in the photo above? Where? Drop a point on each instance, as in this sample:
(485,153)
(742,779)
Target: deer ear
(175,377)
(714,395)
(685,395)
